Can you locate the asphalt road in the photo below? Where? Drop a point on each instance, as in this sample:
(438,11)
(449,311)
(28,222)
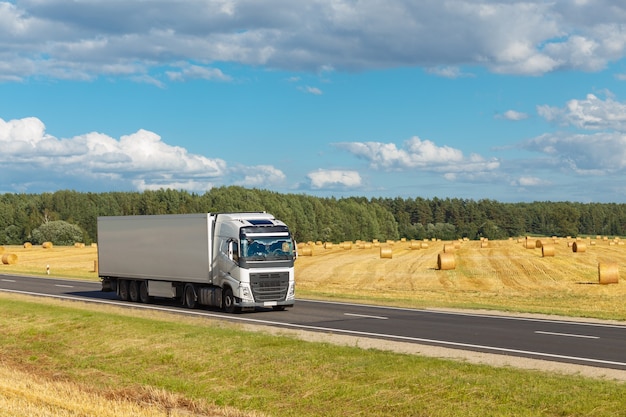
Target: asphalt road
(592,344)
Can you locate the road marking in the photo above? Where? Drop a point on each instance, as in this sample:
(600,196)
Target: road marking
(8,280)
(63,286)
(366,316)
(231,317)
(582,336)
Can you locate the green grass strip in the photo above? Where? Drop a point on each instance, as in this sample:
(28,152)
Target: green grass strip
(221,364)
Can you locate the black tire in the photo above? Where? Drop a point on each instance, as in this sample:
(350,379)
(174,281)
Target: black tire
(189,299)
(228,302)
(122,289)
(143,292)
(133,291)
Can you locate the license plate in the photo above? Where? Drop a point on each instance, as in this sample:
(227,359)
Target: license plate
(270,303)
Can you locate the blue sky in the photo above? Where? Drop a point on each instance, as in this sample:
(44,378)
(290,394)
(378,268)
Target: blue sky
(504,100)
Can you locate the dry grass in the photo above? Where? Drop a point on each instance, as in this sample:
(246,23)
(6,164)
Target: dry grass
(504,275)
(64,261)
(26,394)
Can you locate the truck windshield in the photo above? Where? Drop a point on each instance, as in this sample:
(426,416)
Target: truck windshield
(267,247)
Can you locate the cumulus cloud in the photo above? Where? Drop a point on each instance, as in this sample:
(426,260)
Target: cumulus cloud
(600,153)
(87,39)
(332,178)
(140,160)
(419,155)
(584,153)
(513,115)
(259,176)
(591,113)
(529,181)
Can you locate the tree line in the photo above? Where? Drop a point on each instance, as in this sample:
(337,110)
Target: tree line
(72,214)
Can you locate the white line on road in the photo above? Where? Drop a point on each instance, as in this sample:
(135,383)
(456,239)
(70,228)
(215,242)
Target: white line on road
(231,317)
(8,280)
(63,286)
(366,316)
(582,336)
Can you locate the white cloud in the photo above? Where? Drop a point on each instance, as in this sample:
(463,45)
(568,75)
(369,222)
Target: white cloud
(591,113)
(592,154)
(191,72)
(513,115)
(311,90)
(529,181)
(141,160)
(324,178)
(260,176)
(421,155)
(448,72)
(85,39)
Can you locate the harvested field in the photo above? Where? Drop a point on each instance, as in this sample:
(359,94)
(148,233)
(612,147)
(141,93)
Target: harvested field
(505,275)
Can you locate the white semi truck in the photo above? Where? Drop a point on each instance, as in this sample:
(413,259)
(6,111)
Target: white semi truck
(233,261)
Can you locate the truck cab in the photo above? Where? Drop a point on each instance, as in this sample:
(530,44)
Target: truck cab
(255,256)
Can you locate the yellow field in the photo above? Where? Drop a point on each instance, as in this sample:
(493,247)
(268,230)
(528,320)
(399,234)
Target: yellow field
(499,275)
(493,274)
(502,275)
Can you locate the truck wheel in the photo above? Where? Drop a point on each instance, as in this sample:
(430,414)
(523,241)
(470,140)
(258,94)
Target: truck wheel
(123,289)
(133,291)
(143,292)
(229,302)
(190,297)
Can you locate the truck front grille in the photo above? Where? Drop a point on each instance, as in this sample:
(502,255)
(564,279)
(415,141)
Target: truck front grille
(269,286)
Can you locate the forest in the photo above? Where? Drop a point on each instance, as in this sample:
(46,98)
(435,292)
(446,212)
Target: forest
(68,216)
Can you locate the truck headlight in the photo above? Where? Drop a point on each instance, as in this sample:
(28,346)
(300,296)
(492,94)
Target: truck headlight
(291,292)
(245,292)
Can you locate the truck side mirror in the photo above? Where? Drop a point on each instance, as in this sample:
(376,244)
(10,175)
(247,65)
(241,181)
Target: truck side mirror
(233,251)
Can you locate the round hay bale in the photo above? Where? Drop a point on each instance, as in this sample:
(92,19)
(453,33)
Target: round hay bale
(579,247)
(538,243)
(530,244)
(9,259)
(306,251)
(449,248)
(47,245)
(367,245)
(608,273)
(347,245)
(28,245)
(424,245)
(415,245)
(328,245)
(547,250)
(445,261)
(386,252)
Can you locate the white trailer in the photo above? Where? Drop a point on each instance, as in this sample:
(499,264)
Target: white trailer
(232,261)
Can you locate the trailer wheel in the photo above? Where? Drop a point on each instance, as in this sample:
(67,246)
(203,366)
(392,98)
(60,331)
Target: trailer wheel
(122,289)
(133,291)
(190,296)
(229,301)
(143,292)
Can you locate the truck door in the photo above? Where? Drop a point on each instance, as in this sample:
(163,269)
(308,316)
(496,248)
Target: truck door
(228,260)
